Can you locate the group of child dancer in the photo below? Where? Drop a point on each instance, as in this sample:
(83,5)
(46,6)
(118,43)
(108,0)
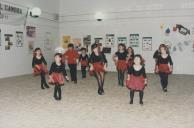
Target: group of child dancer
(124,58)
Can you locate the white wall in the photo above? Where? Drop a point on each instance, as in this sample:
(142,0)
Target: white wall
(123,23)
(17,61)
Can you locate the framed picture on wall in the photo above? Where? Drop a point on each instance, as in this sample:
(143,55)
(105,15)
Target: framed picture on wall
(66,41)
(134,40)
(147,43)
(98,40)
(77,43)
(19,39)
(8,41)
(122,40)
(110,40)
(87,40)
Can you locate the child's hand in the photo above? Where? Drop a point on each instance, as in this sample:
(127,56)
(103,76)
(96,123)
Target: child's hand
(146,82)
(67,78)
(91,68)
(105,68)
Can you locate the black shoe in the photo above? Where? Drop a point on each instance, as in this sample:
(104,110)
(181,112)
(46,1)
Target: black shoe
(42,87)
(165,90)
(75,82)
(46,85)
(131,102)
(100,92)
(141,102)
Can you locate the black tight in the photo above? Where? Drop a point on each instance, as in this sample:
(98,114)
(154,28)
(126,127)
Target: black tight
(83,69)
(121,77)
(73,72)
(100,79)
(43,81)
(141,93)
(57,90)
(164,79)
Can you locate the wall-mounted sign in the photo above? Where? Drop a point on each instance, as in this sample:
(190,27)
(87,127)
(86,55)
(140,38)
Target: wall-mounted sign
(10,8)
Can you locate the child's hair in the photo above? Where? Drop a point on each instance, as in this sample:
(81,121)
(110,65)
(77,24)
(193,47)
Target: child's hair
(83,49)
(70,45)
(142,61)
(132,50)
(60,55)
(34,52)
(165,47)
(123,45)
(95,45)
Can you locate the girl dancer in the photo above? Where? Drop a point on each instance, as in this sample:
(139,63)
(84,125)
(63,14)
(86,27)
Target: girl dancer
(83,59)
(39,66)
(136,80)
(56,75)
(156,55)
(130,57)
(120,58)
(98,65)
(71,56)
(164,66)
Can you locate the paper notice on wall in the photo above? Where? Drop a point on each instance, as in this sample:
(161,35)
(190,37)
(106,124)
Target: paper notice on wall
(19,39)
(147,43)
(110,40)
(98,40)
(66,41)
(134,40)
(48,42)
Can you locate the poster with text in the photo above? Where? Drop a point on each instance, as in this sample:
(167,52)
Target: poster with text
(122,40)
(134,40)
(66,41)
(19,39)
(48,42)
(147,43)
(8,41)
(77,43)
(87,40)
(110,40)
(30,31)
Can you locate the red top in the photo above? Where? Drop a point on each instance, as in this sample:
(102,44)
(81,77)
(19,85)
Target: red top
(71,56)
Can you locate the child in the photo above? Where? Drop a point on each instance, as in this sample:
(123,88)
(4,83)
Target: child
(136,80)
(164,66)
(39,66)
(120,59)
(56,75)
(156,55)
(71,56)
(130,57)
(98,64)
(83,59)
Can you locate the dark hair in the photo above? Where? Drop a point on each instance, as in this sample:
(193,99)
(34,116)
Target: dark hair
(83,49)
(131,51)
(36,49)
(34,52)
(123,45)
(142,61)
(70,45)
(95,45)
(165,47)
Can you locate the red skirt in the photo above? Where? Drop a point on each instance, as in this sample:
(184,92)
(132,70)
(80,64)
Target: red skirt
(98,67)
(38,68)
(130,63)
(136,83)
(121,65)
(164,68)
(57,78)
(84,63)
